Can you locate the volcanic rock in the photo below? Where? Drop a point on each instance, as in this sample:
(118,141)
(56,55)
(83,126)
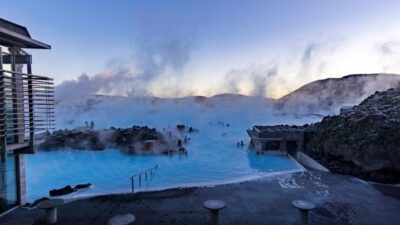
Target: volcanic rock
(62,191)
(364,141)
(81,186)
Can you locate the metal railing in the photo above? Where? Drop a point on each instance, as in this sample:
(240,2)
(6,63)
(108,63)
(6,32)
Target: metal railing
(26,103)
(139,177)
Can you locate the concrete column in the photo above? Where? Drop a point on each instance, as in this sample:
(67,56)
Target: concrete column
(258,145)
(30,101)
(2,114)
(282,145)
(21,181)
(3,194)
(18,95)
(300,142)
(3,175)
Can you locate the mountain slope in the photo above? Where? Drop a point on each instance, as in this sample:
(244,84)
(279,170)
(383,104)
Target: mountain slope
(321,96)
(332,93)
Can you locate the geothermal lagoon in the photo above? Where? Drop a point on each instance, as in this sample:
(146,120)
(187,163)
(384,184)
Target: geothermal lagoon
(213,155)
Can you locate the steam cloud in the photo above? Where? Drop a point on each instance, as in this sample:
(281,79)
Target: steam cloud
(160,59)
(390,55)
(280,76)
(258,78)
(157,56)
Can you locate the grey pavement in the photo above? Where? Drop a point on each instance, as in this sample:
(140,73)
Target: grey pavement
(339,199)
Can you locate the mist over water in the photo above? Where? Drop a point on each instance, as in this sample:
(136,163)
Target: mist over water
(213,156)
(240,112)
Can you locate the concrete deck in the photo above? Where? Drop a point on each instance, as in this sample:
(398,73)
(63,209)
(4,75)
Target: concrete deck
(339,200)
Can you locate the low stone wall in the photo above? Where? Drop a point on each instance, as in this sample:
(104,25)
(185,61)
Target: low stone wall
(308,162)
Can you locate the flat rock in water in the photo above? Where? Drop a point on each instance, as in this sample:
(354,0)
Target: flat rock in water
(62,191)
(122,219)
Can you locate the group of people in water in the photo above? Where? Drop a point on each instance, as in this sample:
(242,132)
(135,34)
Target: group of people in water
(181,149)
(240,144)
(89,125)
(221,123)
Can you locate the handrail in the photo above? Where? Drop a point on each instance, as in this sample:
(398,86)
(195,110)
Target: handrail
(26,104)
(26,74)
(139,175)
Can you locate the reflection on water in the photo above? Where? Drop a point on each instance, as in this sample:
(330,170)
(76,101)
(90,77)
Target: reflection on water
(269,162)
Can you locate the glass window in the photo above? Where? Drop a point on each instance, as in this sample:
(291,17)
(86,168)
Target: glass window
(8,183)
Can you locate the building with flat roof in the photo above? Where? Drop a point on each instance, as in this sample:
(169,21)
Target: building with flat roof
(279,137)
(26,107)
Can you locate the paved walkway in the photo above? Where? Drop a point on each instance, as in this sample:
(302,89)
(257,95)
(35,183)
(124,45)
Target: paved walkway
(339,199)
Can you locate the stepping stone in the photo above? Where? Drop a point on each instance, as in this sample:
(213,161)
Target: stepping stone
(214,206)
(122,219)
(303,207)
(50,206)
(19,221)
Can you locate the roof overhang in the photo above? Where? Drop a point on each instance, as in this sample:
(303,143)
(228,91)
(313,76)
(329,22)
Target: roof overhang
(10,38)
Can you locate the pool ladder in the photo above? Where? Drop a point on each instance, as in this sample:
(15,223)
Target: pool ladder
(139,177)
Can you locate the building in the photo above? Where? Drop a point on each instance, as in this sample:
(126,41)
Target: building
(26,107)
(280,137)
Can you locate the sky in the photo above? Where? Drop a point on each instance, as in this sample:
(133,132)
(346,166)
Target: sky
(179,48)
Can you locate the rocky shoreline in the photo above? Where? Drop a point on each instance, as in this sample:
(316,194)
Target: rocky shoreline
(134,140)
(363,142)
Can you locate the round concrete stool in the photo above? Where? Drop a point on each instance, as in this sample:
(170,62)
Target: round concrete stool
(50,206)
(122,219)
(19,221)
(214,206)
(303,207)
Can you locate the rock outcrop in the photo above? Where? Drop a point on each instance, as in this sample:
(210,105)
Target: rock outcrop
(68,189)
(364,141)
(134,140)
(62,191)
(89,139)
(73,139)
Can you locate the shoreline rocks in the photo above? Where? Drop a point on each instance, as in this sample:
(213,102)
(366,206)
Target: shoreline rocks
(363,142)
(82,186)
(99,140)
(68,189)
(62,191)
(140,140)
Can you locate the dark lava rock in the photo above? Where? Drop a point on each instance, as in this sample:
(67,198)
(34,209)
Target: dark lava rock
(73,139)
(81,186)
(62,191)
(88,139)
(363,142)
